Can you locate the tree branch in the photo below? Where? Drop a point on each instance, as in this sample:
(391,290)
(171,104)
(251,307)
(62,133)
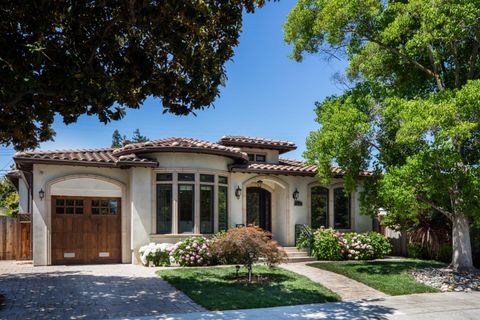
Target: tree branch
(445,212)
(473,60)
(436,73)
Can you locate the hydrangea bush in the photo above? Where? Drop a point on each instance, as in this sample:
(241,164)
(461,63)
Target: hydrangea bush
(359,246)
(329,244)
(157,254)
(193,251)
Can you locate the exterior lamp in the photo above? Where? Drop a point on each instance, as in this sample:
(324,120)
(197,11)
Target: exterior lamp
(238,192)
(259,183)
(295,194)
(41,194)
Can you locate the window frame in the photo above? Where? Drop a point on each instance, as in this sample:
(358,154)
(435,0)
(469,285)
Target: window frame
(175,229)
(349,207)
(327,217)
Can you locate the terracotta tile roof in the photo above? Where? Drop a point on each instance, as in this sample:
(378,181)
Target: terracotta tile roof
(287,166)
(242,141)
(89,157)
(182,145)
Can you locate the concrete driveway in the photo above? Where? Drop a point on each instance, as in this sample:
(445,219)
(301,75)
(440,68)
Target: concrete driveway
(87,292)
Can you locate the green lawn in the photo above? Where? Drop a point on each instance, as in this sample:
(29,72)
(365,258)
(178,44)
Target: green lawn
(390,277)
(212,288)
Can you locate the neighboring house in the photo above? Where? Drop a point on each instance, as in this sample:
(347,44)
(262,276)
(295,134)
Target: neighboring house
(102,205)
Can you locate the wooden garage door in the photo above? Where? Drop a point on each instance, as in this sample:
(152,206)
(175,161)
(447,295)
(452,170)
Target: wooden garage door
(86,230)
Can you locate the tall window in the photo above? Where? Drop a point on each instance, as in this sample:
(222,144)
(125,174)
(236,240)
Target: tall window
(206,203)
(341,209)
(319,207)
(164,208)
(186,205)
(222,203)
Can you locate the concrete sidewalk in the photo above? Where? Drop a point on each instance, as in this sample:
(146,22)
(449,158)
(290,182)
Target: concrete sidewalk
(438,306)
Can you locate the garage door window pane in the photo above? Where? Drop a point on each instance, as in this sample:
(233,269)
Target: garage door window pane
(60,202)
(185,208)
(164,208)
(69,210)
(113,206)
(60,210)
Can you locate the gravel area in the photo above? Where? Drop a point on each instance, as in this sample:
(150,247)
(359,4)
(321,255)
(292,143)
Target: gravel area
(447,280)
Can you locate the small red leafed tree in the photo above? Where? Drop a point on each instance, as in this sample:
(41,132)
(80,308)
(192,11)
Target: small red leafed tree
(246,246)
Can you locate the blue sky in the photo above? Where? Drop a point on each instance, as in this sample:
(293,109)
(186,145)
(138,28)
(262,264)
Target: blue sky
(266,95)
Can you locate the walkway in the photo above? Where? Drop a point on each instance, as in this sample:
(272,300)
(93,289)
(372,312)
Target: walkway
(438,306)
(346,288)
(87,292)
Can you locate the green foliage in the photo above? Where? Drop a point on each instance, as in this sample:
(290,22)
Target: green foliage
(9,198)
(194,251)
(381,246)
(444,254)
(305,239)
(327,245)
(138,137)
(70,58)
(117,139)
(412,114)
(416,250)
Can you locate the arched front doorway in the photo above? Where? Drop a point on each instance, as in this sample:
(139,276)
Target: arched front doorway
(259,208)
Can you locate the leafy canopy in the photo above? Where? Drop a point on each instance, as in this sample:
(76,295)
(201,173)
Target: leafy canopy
(70,58)
(413,112)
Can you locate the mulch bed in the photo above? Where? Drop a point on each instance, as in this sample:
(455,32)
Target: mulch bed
(255,278)
(448,280)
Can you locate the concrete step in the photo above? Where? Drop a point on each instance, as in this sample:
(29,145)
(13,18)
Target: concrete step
(300,259)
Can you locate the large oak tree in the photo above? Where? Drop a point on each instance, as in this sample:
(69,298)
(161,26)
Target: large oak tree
(413,113)
(97,57)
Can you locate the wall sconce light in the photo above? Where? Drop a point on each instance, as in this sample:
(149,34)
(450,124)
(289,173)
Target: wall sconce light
(259,183)
(295,194)
(41,194)
(238,192)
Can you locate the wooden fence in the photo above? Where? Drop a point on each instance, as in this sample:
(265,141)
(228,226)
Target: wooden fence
(15,237)
(8,238)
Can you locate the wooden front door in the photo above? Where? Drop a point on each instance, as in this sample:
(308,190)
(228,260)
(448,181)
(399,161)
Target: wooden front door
(86,230)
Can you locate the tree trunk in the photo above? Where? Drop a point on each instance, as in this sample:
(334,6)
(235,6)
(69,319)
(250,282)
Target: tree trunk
(462,248)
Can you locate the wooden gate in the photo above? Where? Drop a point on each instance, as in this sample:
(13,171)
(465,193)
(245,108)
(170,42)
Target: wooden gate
(15,237)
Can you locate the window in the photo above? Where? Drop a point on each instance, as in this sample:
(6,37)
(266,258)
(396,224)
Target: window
(69,206)
(341,209)
(222,180)
(186,200)
(319,207)
(260,158)
(206,209)
(186,177)
(105,206)
(251,157)
(164,177)
(207,178)
(222,208)
(164,208)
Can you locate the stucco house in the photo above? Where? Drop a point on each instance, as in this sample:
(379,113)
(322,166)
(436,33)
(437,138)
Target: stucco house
(102,205)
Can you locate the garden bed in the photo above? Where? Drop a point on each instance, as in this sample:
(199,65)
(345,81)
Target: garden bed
(448,280)
(390,277)
(220,288)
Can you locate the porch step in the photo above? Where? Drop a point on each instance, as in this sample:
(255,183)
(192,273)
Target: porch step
(295,255)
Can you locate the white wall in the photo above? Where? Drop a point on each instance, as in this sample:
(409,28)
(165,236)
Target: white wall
(23,195)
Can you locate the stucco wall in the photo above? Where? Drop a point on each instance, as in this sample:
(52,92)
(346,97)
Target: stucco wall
(44,177)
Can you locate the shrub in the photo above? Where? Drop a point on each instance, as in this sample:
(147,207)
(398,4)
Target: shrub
(305,241)
(328,244)
(246,246)
(444,253)
(381,245)
(416,250)
(195,251)
(156,254)
(359,246)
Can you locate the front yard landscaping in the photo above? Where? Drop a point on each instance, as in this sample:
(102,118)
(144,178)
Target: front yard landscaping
(390,277)
(219,288)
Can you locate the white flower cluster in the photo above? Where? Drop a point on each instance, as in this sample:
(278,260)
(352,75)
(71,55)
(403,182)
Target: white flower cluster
(359,247)
(156,252)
